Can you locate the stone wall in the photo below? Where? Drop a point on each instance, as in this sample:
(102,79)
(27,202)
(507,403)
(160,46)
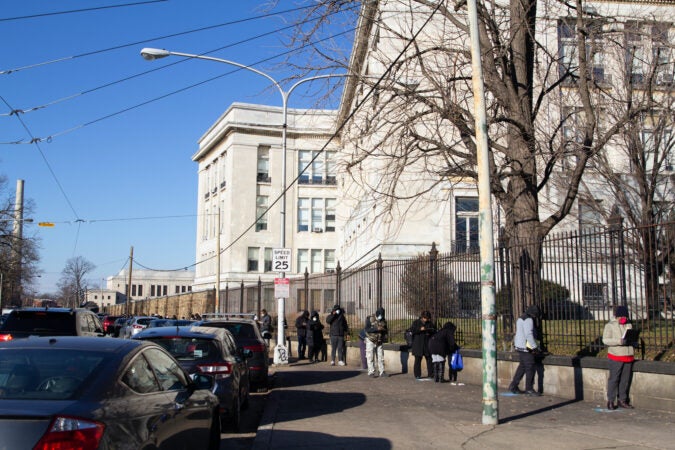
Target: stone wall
(180,305)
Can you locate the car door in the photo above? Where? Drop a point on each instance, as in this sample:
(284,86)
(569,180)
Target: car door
(191,413)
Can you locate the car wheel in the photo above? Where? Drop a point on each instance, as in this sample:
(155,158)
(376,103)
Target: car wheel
(214,432)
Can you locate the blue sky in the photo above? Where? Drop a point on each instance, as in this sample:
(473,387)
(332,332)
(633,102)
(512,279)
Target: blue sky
(112,171)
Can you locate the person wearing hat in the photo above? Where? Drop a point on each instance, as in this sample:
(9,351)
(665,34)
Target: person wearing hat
(422,330)
(620,353)
(377,333)
(527,347)
(338,330)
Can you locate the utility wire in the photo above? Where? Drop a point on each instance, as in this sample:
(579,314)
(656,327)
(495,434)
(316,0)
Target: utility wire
(131,44)
(137,75)
(33,16)
(161,97)
(373,88)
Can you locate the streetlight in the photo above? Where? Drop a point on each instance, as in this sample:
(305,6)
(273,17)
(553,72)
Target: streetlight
(150,54)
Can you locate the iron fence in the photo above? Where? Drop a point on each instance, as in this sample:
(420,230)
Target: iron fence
(582,277)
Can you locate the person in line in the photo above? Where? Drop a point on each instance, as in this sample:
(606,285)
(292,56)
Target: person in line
(315,339)
(377,334)
(362,349)
(338,330)
(441,345)
(527,347)
(422,329)
(620,353)
(301,327)
(266,326)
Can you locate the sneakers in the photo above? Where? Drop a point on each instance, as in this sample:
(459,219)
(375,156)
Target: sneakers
(371,374)
(384,375)
(332,363)
(341,363)
(516,390)
(532,393)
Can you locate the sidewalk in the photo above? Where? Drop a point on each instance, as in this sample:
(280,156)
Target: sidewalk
(319,406)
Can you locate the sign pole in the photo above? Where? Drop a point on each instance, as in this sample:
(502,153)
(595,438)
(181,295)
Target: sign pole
(281,262)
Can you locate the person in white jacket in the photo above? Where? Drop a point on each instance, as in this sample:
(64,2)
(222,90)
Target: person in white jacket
(620,353)
(527,346)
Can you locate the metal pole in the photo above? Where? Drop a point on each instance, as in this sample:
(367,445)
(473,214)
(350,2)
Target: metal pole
(131,263)
(217,303)
(489,316)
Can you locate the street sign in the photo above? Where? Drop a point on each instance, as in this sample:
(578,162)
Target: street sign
(281,259)
(282,288)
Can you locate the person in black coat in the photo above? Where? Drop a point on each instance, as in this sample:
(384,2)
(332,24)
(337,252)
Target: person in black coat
(442,344)
(301,326)
(422,329)
(315,339)
(338,331)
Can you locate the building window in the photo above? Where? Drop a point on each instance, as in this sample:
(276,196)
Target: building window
(164,289)
(330,214)
(466,224)
(317,215)
(303,214)
(317,261)
(594,294)
(567,42)
(261,213)
(303,260)
(329,260)
(252,265)
(177,290)
(590,214)
(152,290)
(264,164)
(268,260)
(140,290)
(316,167)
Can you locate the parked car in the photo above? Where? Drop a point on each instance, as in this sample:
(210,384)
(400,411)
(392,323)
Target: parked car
(101,393)
(24,322)
(118,325)
(155,323)
(246,333)
(211,351)
(134,325)
(108,322)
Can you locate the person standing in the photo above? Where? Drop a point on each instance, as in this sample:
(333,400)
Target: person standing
(266,326)
(338,330)
(422,329)
(314,337)
(377,334)
(441,345)
(527,347)
(301,327)
(619,340)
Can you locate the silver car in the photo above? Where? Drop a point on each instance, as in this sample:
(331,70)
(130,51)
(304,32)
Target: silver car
(134,326)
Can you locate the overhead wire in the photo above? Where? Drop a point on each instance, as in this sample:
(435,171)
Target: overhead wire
(337,131)
(96,8)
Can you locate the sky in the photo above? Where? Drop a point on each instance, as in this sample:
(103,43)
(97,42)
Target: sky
(105,139)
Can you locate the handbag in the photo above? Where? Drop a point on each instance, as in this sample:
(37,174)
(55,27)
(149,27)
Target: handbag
(456,362)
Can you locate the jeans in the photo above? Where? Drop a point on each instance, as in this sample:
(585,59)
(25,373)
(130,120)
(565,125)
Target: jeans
(337,343)
(618,383)
(302,346)
(525,367)
(374,351)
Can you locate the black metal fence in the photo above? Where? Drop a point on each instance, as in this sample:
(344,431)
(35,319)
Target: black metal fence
(583,276)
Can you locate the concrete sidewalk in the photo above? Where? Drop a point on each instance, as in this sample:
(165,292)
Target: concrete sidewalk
(319,406)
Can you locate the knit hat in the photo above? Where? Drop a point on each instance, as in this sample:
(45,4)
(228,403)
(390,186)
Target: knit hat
(621,311)
(533,311)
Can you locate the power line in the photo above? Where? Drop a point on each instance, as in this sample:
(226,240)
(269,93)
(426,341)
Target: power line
(33,16)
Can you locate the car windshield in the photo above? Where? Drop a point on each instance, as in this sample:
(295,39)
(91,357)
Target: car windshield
(43,322)
(45,374)
(240,330)
(188,349)
(144,320)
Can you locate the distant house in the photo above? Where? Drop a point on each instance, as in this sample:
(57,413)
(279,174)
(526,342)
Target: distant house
(148,284)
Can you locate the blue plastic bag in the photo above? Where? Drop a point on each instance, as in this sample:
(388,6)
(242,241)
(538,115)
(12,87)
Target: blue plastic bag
(456,362)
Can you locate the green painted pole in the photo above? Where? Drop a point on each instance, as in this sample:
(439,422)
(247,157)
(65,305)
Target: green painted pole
(485,236)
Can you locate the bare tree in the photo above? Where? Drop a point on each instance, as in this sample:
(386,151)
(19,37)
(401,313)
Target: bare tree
(409,123)
(73,283)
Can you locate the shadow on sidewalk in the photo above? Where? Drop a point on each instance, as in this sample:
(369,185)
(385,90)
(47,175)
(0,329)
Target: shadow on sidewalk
(537,411)
(314,376)
(287,439)
(314,403)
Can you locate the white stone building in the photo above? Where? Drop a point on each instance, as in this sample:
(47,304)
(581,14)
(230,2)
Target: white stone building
(150,283)
(240,165)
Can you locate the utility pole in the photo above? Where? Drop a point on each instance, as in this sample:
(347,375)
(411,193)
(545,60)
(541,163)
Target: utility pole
(218,229)
(17,247)
(131,265)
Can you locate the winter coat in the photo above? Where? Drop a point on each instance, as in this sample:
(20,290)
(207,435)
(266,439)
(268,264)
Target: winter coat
(338,324)
(526,334)
(612,335)
(301,323)
(421,337)
(314,330)
(443,342)
(376,330)
(266,325)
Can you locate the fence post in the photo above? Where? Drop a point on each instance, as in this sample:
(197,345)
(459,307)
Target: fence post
(241,297)
(433,279)
(259,297)
(378,286)
(338,279)
(227,296)
(305,300)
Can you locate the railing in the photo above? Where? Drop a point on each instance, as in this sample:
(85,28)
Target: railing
(583,276)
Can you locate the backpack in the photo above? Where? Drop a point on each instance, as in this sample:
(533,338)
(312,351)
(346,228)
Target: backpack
(408,335)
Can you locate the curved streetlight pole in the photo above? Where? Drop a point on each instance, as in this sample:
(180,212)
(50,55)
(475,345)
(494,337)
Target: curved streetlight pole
(280,351)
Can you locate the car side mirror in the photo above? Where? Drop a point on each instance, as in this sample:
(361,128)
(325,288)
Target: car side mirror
(202,381)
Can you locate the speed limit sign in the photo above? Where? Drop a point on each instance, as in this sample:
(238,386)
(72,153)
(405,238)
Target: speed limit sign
(281,260)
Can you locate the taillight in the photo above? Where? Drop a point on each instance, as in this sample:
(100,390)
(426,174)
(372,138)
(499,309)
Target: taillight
(138,327)
(255,348)
(5,337)
(215,368)
(71,433)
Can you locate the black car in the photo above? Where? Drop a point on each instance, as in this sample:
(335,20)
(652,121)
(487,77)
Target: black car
(101,393)
(246,333)
(210,351)
(21,323)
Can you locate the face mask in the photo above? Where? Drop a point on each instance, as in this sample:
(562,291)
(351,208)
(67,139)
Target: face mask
(379,317)
(623,320)
(337,311)
(314,319)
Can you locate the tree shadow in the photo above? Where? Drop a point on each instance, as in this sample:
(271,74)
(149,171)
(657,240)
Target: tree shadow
(314,403)
(290,439)
(537,411)
(314,376)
